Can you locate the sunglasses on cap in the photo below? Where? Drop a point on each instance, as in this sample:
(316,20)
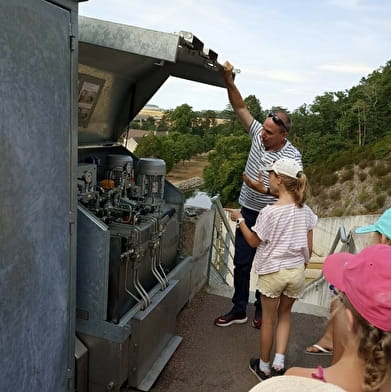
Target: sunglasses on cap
(277,120)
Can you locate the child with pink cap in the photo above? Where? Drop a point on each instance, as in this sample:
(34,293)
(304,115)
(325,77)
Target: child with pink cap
(363,318)
(329,342)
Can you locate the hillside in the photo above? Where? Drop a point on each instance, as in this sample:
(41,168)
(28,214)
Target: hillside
(353,189)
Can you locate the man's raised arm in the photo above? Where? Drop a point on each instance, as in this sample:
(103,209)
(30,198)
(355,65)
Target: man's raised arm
(235,97)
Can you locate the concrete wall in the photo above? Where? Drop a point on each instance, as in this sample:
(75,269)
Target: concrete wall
(197,237)
(327,228)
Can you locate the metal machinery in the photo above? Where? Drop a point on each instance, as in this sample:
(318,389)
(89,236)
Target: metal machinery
(132,279)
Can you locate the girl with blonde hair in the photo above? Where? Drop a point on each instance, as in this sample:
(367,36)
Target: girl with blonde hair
(282,235)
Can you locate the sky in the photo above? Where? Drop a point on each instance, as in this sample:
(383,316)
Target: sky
(288,52)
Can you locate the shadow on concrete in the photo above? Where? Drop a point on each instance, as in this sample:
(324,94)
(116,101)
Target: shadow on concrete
(212,358)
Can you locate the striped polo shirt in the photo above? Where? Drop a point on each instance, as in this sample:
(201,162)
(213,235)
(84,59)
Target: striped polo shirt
(259,158)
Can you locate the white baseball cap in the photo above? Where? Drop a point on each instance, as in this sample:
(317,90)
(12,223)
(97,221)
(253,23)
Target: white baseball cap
(286,166)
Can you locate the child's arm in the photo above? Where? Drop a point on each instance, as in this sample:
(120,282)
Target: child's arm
(310,242)
(251,238)
(309,245)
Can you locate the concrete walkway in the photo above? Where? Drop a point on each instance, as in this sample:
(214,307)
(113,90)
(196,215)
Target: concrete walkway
(216,359)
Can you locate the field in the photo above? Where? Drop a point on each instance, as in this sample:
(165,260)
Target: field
(188,169)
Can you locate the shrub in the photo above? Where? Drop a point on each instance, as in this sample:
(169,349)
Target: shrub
(379,170)
(364,156)
(339,160)
(363,164)
(380,200)
(363,196)
(381,148)
(362,176)
(380,186)
(376,203)
(371,206)
(346,175)
(335,194)
(338,211)
(328,179)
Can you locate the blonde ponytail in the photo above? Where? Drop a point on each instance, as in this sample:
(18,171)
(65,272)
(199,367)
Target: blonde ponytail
(297,187)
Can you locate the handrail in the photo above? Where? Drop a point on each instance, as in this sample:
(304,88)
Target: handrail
(216,201)
(223,239)
(340,236)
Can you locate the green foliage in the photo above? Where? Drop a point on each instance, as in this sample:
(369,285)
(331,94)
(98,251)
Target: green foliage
(380,200)
(343,120)
(149,146)
(379,170)
(223,175)
(335,194)
(383,184)
(134,125)
(346,175)
(344,129)
(375,203)
(328,179)
(363,196)
(363,164)
(181,118)
(172,149)
(362,176)
(386,181)
(148,124)
(254,107)
(382,147)
(339,211)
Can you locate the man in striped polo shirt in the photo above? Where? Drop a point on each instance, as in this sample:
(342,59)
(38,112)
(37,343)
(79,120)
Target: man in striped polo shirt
(269,143)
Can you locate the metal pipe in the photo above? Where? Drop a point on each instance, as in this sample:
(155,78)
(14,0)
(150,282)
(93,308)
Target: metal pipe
(141,301)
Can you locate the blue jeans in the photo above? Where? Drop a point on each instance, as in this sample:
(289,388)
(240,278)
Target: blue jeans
(243,260)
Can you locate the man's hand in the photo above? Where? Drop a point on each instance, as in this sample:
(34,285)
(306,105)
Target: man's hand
(256,185)
(234,214)
(227,72)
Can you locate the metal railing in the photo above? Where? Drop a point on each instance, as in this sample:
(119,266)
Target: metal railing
(317,291)
(221,254)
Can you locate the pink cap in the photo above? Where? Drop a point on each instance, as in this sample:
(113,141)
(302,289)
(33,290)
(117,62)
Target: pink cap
(365,278)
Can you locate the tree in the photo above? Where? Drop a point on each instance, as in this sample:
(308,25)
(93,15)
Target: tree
(163,125)
(150,146)
(223,174)
(134,124)
(182,118)
(254,107)
(148,124)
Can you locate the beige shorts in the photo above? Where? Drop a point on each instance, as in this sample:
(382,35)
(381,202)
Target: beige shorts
(289,282)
